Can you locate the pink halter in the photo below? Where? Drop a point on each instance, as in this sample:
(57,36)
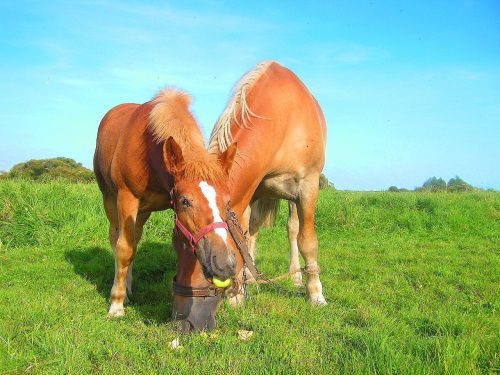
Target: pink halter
(193,240)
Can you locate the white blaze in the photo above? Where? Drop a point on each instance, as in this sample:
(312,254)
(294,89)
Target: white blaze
(209,193)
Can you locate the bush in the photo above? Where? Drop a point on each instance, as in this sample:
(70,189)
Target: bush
(434,184)
(458,185)
(323,182)
(50,169)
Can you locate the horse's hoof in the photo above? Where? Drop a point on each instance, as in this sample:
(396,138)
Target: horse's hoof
(318,301)
(297,279)
(117,310)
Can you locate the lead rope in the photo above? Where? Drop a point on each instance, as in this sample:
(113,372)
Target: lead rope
(246,293)
(245,285)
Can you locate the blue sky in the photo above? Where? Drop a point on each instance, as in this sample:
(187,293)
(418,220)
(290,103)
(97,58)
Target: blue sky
(410,90)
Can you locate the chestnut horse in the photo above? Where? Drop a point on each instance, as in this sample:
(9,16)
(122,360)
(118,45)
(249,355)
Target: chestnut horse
(152,157)
(281,134)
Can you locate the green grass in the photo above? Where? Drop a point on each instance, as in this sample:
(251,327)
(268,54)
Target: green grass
(412,281)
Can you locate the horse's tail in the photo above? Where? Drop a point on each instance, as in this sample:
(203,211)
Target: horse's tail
(264,212)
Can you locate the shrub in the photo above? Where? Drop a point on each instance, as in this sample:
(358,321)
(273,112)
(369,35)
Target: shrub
(50,169)
(434,184)
(323,182)
(457,185)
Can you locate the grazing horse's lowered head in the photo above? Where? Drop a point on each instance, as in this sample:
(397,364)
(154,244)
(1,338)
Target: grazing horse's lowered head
(201,238)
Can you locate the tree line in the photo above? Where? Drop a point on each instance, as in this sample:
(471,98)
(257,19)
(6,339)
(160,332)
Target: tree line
(69,169)
(432,184)
(436,185)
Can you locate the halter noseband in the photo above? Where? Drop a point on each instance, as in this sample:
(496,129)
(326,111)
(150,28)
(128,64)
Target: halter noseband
(193,240)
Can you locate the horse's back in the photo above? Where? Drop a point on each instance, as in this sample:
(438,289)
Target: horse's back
(291,135)
(305,125)
(292,103)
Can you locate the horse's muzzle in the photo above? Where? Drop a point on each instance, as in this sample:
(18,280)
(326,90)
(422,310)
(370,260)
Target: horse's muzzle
(196,313)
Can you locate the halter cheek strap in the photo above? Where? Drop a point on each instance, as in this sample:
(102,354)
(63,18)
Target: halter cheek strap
(193,240)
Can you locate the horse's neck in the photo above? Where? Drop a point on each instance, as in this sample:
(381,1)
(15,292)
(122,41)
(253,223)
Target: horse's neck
(159,174)
(242,186)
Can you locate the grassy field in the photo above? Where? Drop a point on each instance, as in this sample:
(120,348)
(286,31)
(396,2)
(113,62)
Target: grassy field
(412,281)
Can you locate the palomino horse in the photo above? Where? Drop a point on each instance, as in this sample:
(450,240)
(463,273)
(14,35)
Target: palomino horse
(281,134)
(152,157)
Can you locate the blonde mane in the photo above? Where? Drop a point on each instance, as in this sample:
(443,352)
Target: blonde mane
(171,117)
(221,135)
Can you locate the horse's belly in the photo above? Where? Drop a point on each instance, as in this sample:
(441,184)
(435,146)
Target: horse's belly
(283,186)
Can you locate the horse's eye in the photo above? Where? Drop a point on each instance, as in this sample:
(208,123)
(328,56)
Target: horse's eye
(185,202)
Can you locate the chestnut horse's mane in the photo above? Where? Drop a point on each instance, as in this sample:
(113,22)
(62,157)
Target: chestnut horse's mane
(171,117)
(236,108)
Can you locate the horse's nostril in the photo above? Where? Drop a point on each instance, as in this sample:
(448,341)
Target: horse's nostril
(214,262)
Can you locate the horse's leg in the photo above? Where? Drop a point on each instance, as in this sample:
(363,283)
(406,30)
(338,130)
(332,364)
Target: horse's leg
(141,220)
(112,214)
(308,241)
(252,241)
(125,250)
(293,231)
(110,206)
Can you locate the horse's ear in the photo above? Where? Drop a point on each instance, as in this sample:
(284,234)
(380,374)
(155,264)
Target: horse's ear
(226,159)
(172,153)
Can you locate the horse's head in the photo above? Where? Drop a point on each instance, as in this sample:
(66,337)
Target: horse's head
(201,238)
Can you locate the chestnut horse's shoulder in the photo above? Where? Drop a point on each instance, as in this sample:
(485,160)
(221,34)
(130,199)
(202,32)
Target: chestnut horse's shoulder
(121,135)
